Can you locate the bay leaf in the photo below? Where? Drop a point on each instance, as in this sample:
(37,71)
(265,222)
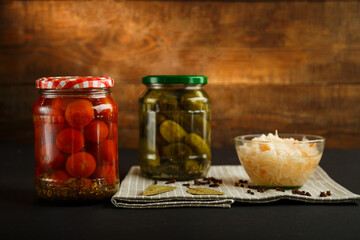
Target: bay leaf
(203,191)
(156,189)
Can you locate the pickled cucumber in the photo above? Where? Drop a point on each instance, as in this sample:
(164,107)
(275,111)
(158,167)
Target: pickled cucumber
(194,101)
(153,96)
(153,160)
(192,166)
(176,152)
(160,141)
(173,115)
(197,144)
(149,152)
(168,102)
(148,125)
(193,123)
(171,131)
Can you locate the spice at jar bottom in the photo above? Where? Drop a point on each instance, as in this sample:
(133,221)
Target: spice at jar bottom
(76,189)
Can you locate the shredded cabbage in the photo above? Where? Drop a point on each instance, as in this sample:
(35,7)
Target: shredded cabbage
(273,161)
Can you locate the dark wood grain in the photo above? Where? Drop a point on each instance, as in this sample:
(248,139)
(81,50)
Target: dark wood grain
(287,65)
(232,42)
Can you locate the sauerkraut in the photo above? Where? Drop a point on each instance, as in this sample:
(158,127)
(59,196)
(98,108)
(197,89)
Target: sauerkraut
(273,161)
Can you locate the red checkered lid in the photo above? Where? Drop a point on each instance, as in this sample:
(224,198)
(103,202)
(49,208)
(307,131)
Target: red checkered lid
(68,82)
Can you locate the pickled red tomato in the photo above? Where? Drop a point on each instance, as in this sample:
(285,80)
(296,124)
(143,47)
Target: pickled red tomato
(113,131)
(108,151)
(96,131)
(42,106)
(70,140)
(79,113)
(46,114)
(59,176)
(105,172)
(50,157)
(94,150)
(105,108)
(58,105)
(81,164)
(104,153)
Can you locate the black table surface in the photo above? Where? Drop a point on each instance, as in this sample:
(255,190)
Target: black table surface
(25,216)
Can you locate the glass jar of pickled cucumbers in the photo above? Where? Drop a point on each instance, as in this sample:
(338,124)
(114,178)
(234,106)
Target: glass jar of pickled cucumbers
(175,129)
(75,126)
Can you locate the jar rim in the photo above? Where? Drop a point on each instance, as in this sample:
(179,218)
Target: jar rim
(74,92)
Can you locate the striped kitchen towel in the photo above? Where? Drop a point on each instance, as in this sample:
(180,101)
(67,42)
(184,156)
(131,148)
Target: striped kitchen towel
(129,194)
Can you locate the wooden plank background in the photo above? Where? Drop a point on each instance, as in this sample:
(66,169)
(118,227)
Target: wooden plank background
(287,65)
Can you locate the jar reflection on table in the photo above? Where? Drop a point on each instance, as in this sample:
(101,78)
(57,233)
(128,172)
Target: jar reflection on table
(175,132)
(75,144)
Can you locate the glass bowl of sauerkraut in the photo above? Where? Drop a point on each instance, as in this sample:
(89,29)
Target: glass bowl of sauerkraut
(279,160)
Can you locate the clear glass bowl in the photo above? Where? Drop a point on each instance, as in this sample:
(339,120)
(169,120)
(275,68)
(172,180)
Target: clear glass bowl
(286,163)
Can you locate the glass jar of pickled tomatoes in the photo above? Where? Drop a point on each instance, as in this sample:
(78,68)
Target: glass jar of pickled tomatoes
(75,128)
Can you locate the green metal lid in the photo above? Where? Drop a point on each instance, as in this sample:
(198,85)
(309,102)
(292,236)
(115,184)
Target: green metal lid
(174,79)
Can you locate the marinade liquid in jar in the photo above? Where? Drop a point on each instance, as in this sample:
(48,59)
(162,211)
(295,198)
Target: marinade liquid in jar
(75,127)
(175,128)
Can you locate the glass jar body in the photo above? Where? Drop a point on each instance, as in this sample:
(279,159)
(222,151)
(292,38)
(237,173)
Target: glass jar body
(175,132)
(76,145)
